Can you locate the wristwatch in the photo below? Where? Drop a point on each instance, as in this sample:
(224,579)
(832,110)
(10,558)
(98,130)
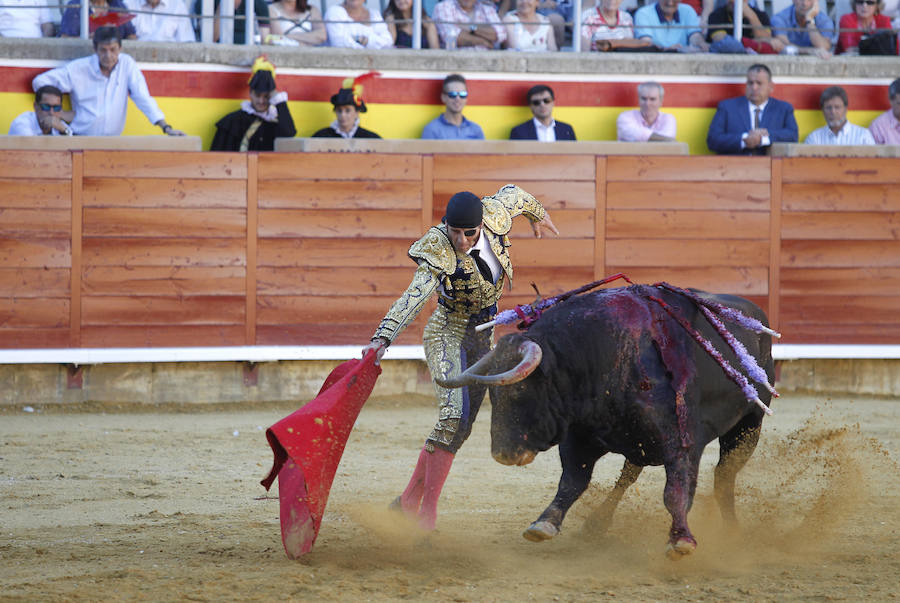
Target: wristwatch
(166,129)
(473,28)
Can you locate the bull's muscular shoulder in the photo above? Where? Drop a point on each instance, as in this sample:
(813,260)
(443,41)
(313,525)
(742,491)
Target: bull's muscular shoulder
(435,249)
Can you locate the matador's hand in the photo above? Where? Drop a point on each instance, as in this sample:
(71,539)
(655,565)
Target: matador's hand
(545,223)
(379,345)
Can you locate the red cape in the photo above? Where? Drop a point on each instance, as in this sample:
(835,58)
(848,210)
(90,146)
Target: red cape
(308,445)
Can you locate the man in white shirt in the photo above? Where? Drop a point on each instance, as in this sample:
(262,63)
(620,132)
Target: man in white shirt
(99,86)
(837,130)
(161,20)
(542,126)
(26,19)
(48,117)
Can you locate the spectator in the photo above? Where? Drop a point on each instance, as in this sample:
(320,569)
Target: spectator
(865,19)
(670,25)
(299,21)
(483,32)
(805,28)
(161,20)
(528,30)
(348,104)
(557,12)
(886,127)
(100,11)
(647,123)
(837,130)
(748,125)
(262,26)
(260,120)
(542,126)
(100,85)
(607,27)
(756,33)
(451,124)
(398,17)
(27,19)
(353,25)
(47,119)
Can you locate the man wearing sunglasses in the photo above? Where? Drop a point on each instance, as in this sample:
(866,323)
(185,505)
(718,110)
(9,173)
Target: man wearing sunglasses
(48,117)
(465,260)
(542,126)
(451,124)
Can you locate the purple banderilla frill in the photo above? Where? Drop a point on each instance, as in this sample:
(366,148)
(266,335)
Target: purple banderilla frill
(711,310)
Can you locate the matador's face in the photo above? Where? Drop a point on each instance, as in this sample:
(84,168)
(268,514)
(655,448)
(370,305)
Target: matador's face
(464,239)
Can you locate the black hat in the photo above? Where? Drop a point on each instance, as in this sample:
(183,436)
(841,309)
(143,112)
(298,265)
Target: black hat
(464,210)
(351,92)
(263,78)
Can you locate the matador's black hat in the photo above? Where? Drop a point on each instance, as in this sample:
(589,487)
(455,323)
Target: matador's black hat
(464,210)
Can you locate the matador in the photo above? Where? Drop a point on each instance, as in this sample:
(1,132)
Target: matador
(465,260)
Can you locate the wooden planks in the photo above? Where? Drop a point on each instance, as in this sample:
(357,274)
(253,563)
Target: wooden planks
(692,221)
(35,248)
(840,250)
(164,245)
(183,249)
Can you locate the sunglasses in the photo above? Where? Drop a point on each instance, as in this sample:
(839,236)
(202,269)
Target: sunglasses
(462,94)
(49,107)
(869,2)
(537,101)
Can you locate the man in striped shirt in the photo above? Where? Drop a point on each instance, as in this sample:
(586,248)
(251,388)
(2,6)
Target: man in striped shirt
(837,130)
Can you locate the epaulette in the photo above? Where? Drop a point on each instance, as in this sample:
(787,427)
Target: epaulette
(496,216)
(436,249)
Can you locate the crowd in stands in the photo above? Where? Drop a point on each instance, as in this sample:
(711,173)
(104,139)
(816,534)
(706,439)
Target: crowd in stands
(802,27)
(99,86)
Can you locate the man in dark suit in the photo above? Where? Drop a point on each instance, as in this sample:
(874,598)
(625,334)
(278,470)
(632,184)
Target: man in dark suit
(542,126)
(748,125)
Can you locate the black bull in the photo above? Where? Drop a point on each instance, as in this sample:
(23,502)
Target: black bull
(609,368)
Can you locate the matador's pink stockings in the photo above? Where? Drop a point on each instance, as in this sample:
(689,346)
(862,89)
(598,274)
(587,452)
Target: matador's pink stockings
(424,489)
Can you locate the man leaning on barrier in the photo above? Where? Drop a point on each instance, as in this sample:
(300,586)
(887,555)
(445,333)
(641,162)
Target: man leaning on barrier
(99,86)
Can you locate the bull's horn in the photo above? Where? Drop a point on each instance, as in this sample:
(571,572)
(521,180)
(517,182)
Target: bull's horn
(529,352)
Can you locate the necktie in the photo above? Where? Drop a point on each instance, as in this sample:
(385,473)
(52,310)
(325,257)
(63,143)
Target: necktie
(756,118)
(483,267)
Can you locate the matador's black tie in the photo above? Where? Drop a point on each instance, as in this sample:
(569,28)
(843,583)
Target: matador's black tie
(482,266)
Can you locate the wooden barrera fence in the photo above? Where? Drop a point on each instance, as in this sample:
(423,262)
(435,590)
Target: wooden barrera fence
(137,249)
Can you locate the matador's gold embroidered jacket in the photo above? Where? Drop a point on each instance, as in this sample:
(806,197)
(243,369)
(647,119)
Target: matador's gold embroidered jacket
(464,289)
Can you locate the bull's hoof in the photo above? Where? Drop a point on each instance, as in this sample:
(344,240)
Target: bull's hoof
(681,547)
(540,531)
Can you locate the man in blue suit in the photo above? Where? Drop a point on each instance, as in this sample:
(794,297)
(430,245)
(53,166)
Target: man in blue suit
(542,126)
(748,125)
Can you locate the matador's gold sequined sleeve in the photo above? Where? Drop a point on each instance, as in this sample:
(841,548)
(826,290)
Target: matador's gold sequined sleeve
(517,201)
(403,311)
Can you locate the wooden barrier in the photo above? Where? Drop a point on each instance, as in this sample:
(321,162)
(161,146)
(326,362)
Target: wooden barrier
(149,249)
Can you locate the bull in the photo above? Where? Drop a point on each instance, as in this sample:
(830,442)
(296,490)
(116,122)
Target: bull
(610,371)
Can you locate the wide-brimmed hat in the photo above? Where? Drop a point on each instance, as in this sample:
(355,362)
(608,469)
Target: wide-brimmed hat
(351,92)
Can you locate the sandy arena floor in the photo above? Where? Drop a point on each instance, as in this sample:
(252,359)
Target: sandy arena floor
(105,505)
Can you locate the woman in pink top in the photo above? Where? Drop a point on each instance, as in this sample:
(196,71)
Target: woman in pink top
(865,19)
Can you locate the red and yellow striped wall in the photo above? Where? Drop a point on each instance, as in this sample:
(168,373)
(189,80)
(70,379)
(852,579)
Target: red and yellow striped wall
(195,96)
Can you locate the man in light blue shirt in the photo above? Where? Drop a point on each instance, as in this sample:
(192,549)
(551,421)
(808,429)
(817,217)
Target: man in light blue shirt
(99,86)
(451,125)
(805,27)
(837,130)
(670,25)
